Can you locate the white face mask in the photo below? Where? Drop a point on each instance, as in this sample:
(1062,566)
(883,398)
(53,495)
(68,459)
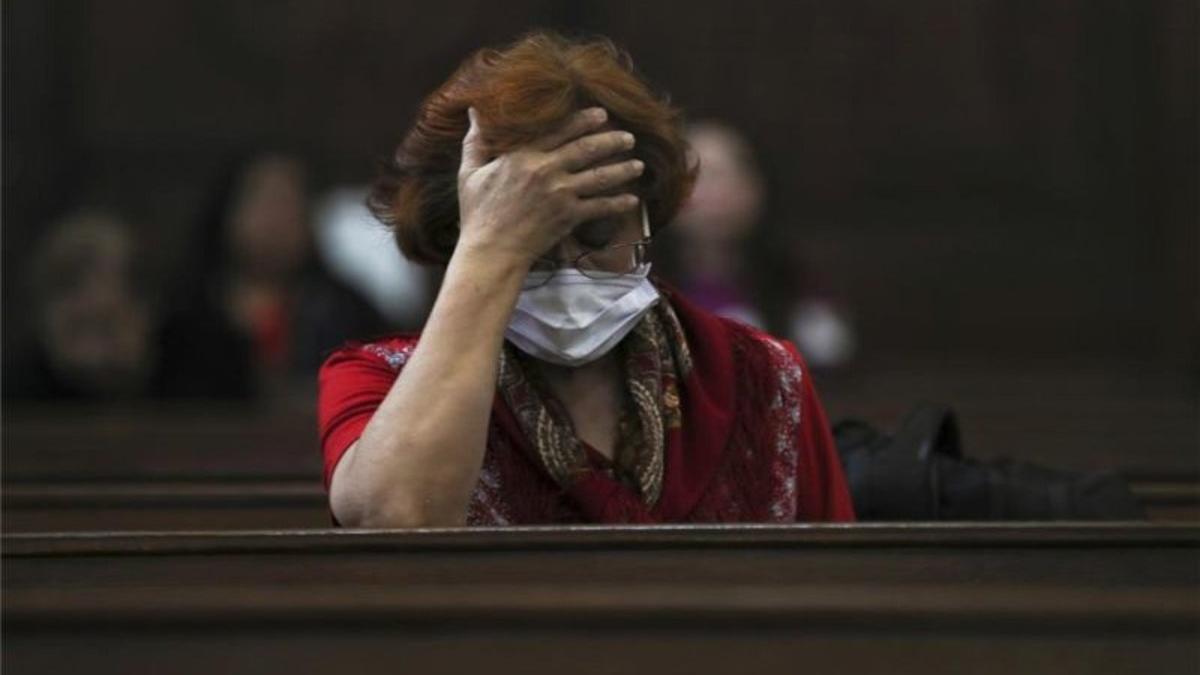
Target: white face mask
(573,319)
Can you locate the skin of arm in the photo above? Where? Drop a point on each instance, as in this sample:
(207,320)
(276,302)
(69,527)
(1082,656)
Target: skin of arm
(419,457)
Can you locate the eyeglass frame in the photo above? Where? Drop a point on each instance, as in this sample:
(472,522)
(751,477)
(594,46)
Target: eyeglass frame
(639,248)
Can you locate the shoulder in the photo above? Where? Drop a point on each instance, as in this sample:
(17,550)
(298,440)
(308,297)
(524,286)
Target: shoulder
(389,353)
(766,360)
(757,343)
(357,376)
(743,339)
(757,358)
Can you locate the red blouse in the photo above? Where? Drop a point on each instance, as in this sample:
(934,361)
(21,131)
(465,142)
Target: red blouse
(754,445)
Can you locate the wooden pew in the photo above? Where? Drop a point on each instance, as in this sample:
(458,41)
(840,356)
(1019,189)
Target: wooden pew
(1013,598)
(248,504)
(159,443)
(166,467)
(223,468)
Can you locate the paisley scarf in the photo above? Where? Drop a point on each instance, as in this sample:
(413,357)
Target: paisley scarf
(655,359)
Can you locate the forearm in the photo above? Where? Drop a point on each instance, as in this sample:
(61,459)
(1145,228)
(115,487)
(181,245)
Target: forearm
(419,457)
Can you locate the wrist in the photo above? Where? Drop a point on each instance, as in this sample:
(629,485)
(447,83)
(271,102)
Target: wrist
(492,253)
(489,262)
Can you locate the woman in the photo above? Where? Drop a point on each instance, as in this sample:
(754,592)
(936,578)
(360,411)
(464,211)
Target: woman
(728,253)
(554,381)
(93,318)
(258,313)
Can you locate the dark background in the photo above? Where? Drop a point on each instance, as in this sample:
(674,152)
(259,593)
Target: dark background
(988,185)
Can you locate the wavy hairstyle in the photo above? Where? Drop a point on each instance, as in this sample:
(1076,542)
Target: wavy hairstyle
(522,92)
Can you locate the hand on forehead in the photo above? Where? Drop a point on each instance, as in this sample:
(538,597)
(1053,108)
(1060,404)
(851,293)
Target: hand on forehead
(624,228)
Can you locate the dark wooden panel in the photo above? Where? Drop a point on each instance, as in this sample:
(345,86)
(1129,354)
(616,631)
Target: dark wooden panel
(263,504)
(680,650)
(159,442)
(164,505)
(1013,598)
(1086,570)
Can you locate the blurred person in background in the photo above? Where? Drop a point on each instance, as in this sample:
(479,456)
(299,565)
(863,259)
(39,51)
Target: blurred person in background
(726,258)
(93,322)
(257,311)
(555,380)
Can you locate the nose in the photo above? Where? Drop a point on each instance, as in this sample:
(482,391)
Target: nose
(565,252)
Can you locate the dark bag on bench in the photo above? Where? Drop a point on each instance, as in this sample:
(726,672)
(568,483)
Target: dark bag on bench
(920,473)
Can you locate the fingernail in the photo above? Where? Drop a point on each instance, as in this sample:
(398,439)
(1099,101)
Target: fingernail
(638,165)
(627,139)
(598,114)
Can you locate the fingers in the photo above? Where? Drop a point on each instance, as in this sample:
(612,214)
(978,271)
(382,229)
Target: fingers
(590,149)
(603,207)
(577,125)
(600,179)
(473,155)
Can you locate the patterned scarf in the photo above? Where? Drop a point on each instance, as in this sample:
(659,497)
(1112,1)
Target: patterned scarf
(655,357)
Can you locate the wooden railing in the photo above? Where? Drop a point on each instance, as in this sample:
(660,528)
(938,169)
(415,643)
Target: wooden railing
(249,504)
(929,598)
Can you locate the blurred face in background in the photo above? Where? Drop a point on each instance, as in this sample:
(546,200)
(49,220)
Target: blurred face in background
(727,200)
(94,326)
(268,224)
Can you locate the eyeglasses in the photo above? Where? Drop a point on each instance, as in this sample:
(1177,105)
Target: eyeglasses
(609,262)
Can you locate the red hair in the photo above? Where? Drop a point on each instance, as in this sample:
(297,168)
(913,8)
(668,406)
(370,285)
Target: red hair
(522,92)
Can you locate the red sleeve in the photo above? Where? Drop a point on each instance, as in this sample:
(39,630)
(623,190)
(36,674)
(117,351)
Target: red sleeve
(352,383)
(827,497)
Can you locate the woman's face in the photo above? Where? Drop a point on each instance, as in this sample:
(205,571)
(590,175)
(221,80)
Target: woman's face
(94,327)
(728,196)
(603,239)
(268,226)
